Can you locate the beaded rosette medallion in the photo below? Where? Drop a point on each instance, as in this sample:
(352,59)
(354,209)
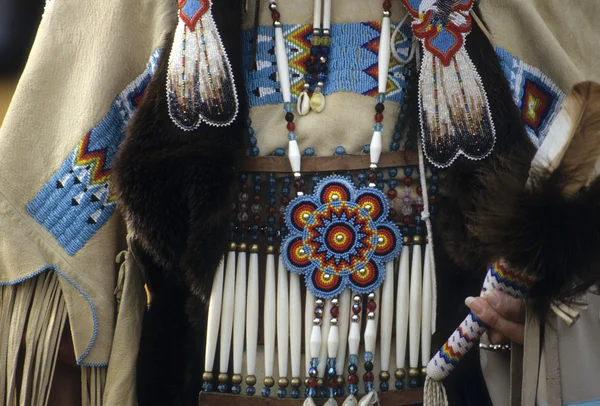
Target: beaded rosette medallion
(340,237)
(200,86)
(454,111)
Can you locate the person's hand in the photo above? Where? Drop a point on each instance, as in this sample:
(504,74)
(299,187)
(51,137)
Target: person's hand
(503,313)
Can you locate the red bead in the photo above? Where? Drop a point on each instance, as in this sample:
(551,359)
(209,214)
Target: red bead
(387,5)
(356,308)
(244,187)
(272,211)
(419,190)
(372,177)
(291,126)
(419,209)
(257,218)
(285,200)
(257,199)
(392,194)
(372,306)
(332,383)
(312,382)
(408,181)
(368,377)
(379,117)
(432,199)
(275,16)
(406,220)
(335,311)
(353,379)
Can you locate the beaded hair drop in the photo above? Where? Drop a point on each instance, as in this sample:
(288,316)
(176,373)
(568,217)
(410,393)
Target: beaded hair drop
(454,111)
(200,86)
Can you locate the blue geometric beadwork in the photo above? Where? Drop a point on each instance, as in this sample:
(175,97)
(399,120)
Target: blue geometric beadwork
(77,200)
(354,71)
(536,96)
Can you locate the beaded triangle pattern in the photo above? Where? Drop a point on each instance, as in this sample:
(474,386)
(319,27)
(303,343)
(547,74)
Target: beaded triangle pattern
(454,111)
(340,238)
(200,85)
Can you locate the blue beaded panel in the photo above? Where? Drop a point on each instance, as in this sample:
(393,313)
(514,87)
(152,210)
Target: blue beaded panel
(352,65)
(536,96)
(77,200)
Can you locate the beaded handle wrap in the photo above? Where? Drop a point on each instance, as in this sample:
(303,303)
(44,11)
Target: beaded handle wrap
(499,277)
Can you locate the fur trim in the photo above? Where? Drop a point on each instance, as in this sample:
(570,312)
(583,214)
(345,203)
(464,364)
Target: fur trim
(174,186)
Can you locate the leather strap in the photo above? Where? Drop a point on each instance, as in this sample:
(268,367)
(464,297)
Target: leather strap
(531,360)
(516,374)
(553,383)
(275,164)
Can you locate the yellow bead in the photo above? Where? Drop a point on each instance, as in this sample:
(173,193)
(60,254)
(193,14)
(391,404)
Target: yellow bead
(254,248)
(339,380)
(269,381)
(406,240)
(315,40)
(326,41)
(417,240)
(270,249)
(232,246)
(242,247)
(319,382)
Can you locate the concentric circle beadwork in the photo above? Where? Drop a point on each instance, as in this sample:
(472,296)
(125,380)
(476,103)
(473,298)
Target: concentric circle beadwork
(340,238)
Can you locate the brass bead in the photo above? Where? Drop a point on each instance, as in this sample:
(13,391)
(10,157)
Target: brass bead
(384,376)
(207,376)
(232,246)
(250,380)
(269,381)
(413,372)
(305,381)
(417,240)
(424,371)
(296,383)
(223,378)
(400,374)
(236,379)
(270,249)
(242,247)
(339,380)
(254,248)
(319,382)
(283,382)
(406,240)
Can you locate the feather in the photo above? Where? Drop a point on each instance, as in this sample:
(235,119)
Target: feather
(551,228)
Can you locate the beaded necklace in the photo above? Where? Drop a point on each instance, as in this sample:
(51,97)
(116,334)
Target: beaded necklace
(340,240)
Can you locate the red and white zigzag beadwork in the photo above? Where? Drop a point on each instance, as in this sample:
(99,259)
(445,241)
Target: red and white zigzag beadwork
(454,111)
(200,85)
